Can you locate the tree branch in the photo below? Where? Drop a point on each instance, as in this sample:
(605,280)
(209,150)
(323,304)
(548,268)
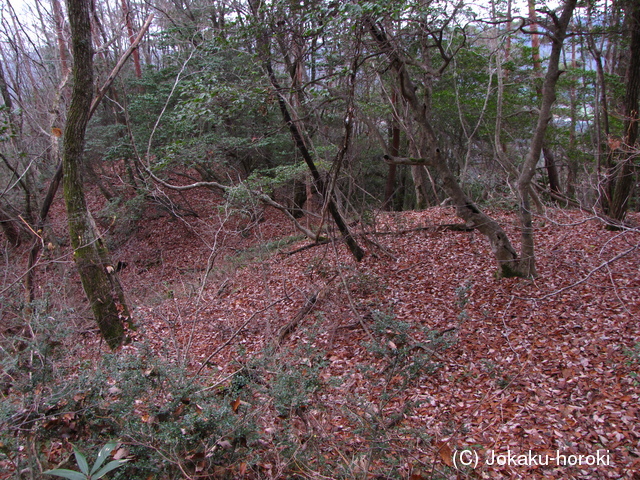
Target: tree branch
(407,161)
(114,73)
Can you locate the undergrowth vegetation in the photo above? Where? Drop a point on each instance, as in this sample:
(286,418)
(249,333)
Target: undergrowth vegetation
(272,417)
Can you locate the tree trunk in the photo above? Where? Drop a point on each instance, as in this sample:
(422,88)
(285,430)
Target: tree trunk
(126,10)
(400,196)
(625,175)
(8,225)
(4,90)
(527,263)
(62,47)
(503,252)
(37,244)
(535,38)
(420,186)
(601,118)
(552,170)
(572,170)
(57,177)
(394,135)
(98,277)
(549,159)
(389,188)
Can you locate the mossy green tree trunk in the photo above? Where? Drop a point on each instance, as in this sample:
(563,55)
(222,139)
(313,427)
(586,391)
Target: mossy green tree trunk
(99,279)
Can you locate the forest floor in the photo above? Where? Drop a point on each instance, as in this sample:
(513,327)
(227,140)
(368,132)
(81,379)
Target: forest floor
(416,360)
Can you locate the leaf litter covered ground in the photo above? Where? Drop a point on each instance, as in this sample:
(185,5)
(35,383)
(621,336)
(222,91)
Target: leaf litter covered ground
(419,353)
(543,366)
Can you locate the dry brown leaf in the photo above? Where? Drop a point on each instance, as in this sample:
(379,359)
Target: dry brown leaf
(445,453)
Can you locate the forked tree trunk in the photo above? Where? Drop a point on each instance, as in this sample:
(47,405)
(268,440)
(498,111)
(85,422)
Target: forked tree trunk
(99,280)
(506,257)
(549,159)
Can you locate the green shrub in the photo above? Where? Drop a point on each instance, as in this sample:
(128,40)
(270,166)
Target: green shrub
(294,384)
(169,424)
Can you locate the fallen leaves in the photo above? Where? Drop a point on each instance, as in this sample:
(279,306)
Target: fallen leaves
(536,366)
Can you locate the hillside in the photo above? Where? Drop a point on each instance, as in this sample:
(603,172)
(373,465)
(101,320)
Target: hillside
(391,366)
(319,240)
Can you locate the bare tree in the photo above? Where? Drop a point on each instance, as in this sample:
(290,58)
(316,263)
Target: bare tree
(508,262)
(264,46)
